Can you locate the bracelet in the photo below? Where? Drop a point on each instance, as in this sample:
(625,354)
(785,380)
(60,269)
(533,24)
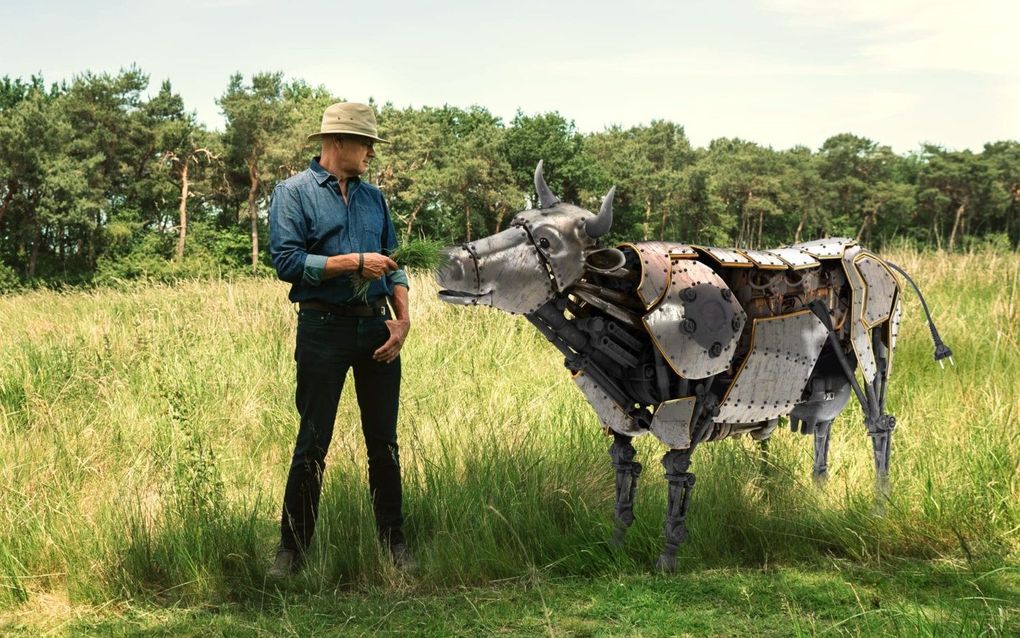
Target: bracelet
(361,262)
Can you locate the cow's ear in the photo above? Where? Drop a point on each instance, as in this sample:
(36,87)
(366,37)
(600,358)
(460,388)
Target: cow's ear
(605,260)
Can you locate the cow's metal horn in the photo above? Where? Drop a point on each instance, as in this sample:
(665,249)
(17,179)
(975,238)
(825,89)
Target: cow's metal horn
(545,197)
(599,225)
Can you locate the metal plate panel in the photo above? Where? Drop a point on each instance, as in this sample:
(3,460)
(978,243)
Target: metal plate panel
(698,321)
(773,376)
(609,412)
(859,335)
(828,248)
(765,260)
(654,258)
(502,258)
(671,423)
(682,251)
(563,226)
(797,259)
(881,288)
(894,331)
(725,256)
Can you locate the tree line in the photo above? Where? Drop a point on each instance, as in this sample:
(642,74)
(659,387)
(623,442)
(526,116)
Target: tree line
(100,183)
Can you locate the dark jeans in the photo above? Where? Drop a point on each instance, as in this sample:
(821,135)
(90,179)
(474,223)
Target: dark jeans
(327,347)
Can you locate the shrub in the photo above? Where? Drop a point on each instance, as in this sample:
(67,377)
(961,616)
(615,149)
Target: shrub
(9,280)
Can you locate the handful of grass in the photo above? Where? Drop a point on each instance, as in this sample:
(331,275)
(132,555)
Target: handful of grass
(416,254)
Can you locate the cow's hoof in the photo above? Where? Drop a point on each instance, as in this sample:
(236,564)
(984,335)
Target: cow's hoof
(666,564)
(618,537)
(821,479)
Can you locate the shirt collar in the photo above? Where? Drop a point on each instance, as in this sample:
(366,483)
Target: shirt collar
(322,176)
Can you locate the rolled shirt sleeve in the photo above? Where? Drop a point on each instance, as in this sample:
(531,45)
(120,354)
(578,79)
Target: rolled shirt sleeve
(287,232)
(398,278)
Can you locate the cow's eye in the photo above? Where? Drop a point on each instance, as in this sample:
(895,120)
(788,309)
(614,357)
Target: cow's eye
(543,243)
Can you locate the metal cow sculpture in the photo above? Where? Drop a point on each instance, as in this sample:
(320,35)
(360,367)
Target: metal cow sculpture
(692,343)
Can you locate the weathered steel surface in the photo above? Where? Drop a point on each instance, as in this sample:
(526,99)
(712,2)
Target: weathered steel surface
(654,259)
(671,423)
(506,254)
(894,331)
(881,288)
(796,258)
(860,338)
(762,259)
(682,251)
(609,412)
(828,248)
(697,323)
(725,256)
(773,376)
(560,237)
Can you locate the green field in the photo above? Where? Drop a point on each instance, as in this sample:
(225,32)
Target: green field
(145,435)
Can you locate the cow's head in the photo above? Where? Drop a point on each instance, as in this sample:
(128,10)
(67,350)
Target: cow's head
(544,251)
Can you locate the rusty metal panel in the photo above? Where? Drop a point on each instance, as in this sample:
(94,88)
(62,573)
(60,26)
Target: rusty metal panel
(610,414)
(725,256)
(682,251)
(671,422)
(773,376)
(698,321)
(881,288)
(860,338)
(654,259)
(762,259)
(797,259)
(828,248)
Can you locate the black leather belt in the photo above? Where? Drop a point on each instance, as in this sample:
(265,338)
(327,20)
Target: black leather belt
(359,310)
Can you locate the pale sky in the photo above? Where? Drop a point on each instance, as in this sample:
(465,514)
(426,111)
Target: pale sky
(778,72)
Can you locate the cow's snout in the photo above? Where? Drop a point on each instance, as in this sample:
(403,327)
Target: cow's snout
(456,263)
(457,275)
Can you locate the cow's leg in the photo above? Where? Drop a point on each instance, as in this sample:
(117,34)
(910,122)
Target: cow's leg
(627,472)
(681,482)
(880,424)
(764,456)
(821,467)
(763,436)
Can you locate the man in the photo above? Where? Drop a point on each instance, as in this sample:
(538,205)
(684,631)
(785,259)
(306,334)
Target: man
(325,225)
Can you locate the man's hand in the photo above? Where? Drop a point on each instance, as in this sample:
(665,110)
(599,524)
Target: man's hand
(390,350)
(377,265)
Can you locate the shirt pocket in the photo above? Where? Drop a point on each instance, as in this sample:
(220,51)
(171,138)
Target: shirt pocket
(372,236)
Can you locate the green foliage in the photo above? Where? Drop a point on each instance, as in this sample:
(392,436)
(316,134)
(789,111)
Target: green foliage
(81,159)
(9,280)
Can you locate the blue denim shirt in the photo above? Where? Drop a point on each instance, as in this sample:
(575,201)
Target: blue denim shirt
(309,222)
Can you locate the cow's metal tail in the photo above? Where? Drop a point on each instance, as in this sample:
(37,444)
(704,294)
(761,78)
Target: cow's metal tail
(942,351)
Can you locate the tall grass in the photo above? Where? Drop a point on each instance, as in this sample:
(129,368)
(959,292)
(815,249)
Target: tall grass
(145,437)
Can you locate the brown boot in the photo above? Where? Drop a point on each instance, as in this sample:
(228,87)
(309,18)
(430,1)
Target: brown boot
(287,564)
(402,556)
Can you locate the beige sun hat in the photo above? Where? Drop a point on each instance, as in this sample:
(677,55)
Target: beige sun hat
(348,117)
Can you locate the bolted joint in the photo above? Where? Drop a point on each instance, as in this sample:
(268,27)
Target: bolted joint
(886,423)
(622,456)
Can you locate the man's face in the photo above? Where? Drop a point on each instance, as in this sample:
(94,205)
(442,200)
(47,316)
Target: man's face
(354,153)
